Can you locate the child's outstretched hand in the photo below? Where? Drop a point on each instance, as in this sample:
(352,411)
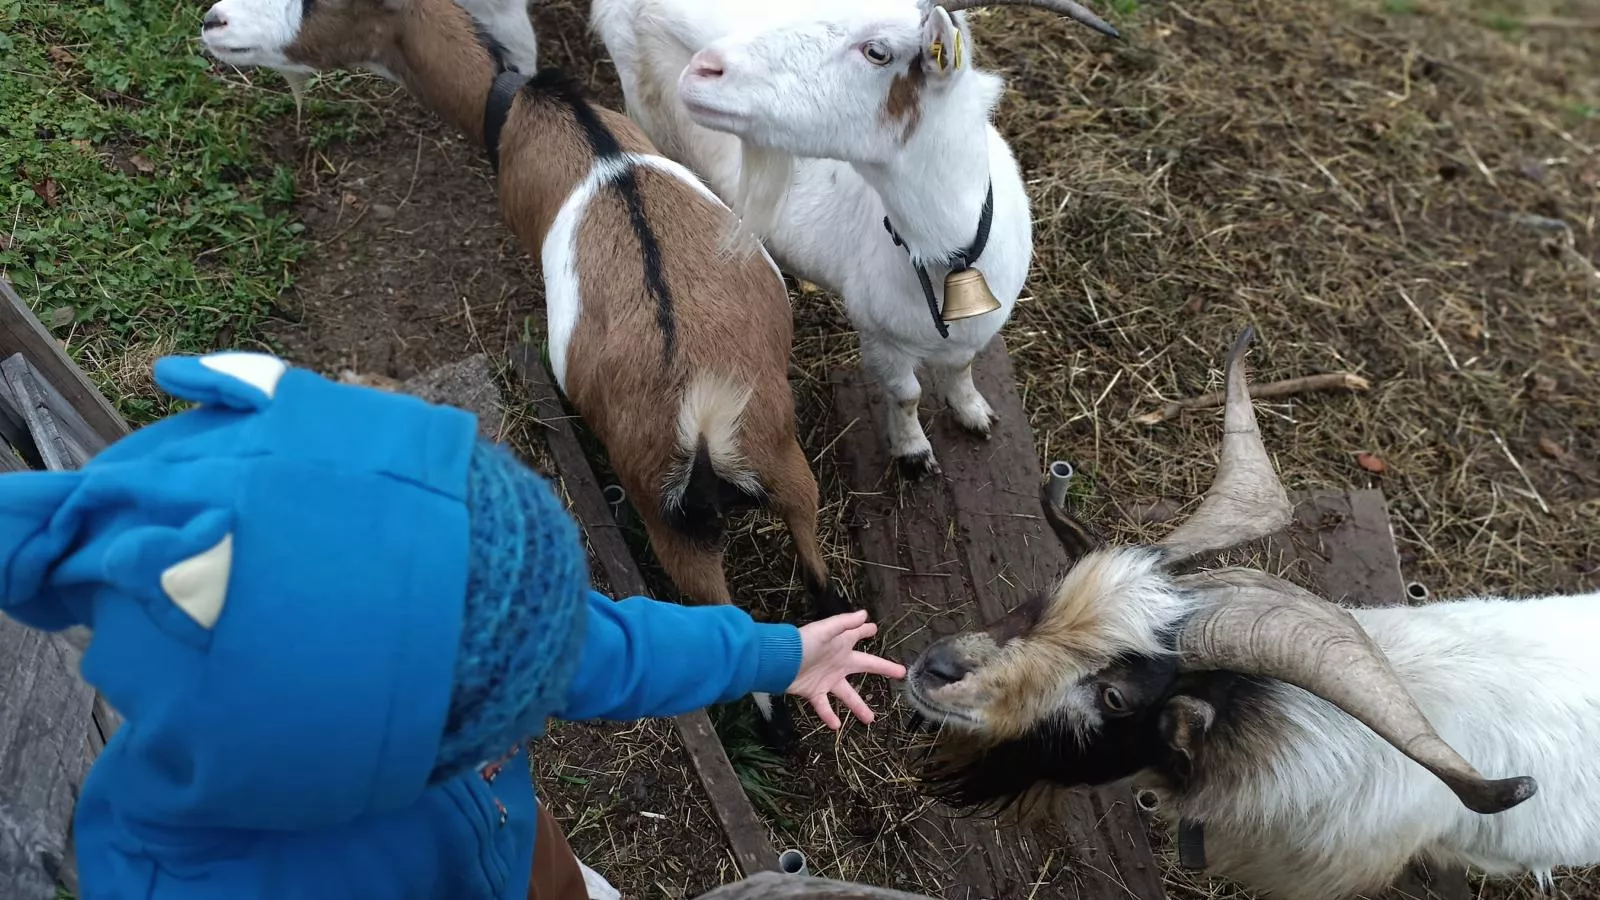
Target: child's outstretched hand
(828,657)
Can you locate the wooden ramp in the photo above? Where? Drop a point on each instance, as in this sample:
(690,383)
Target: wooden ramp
(746,835)
(961,550)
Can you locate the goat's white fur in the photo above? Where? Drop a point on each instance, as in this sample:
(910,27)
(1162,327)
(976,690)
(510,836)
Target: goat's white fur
(712,408)
(829,227)
(1514,685)
(509,22)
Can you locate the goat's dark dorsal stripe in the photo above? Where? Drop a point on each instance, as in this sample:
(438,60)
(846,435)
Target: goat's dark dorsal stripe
(558,86)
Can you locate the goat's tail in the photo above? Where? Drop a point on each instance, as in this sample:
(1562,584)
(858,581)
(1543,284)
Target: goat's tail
(711,475)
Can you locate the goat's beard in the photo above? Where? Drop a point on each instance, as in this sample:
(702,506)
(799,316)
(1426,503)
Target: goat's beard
(764,179)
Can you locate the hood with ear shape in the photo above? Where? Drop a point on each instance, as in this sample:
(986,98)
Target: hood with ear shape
(1252,623)
(274,583)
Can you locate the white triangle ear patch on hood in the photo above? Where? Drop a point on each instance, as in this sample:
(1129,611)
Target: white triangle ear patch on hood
(199,585)
(259,370)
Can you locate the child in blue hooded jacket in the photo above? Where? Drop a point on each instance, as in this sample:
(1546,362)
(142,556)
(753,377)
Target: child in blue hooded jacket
(330,617)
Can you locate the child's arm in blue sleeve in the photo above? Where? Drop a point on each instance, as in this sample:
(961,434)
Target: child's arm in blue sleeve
(644,658)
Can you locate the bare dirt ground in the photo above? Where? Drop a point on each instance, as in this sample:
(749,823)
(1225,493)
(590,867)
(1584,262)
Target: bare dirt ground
(1410,192)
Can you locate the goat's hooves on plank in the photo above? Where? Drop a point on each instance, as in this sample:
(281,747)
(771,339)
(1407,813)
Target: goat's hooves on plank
(833,603)
(917,465)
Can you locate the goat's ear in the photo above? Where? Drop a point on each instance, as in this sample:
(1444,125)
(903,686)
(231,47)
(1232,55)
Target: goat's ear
(1183,725)
(944,47)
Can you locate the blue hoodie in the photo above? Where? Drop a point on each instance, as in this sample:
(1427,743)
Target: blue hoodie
(330,616)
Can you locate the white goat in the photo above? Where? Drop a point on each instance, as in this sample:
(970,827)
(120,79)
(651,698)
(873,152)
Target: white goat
(1304,749)
(889,119)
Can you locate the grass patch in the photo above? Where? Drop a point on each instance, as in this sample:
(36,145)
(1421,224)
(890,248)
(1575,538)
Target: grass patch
(144,212)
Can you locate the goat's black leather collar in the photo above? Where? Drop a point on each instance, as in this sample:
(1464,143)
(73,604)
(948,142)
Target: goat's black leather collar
(960,262)
(1191,845)
(495,109)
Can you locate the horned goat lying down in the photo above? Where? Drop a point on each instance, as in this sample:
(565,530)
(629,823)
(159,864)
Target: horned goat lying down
(1271,724)
(675,355)
(829,123)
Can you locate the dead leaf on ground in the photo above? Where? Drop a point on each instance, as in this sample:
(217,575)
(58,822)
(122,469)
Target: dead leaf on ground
(61,56)
(1371,463)
(1551,449)
(144,166)
(48,191)
(61,316)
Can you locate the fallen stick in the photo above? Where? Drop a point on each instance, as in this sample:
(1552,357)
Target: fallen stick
(1327,381)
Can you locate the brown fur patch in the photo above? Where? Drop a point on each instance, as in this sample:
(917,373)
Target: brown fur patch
(904,103)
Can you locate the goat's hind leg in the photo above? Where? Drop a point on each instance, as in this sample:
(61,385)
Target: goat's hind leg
(695,568)
(896,373)
(794,498)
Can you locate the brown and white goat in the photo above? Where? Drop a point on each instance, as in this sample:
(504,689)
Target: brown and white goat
(674,352)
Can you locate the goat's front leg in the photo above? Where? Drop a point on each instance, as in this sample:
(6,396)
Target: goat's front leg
(896,371)
(961,395)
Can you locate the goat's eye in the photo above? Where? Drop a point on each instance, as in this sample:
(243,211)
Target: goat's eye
(1112,701)
(876,53)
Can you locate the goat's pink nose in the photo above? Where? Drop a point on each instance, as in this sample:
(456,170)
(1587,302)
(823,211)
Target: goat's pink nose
(707,64)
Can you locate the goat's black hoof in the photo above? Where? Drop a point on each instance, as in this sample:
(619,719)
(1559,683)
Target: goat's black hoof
(917,466)
(777,723)
(832,602)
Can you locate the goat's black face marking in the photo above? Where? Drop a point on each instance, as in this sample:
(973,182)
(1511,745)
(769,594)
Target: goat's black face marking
(1127,742)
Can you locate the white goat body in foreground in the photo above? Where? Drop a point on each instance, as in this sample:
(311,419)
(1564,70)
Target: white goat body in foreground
(1319,749)
(1302,800)
(817,120)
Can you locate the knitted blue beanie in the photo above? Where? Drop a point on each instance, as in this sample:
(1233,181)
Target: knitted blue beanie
(522,629)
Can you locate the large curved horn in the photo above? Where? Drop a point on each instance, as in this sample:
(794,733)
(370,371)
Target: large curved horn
(1255,624)
(1066,8)
(1246,501)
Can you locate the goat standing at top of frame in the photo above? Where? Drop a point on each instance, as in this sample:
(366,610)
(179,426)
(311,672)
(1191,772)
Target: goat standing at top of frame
(675,355)
(1292,739)
(829,123)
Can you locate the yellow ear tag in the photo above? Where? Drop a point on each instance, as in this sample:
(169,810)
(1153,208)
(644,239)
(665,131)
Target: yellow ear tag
(936,49)
(956,64)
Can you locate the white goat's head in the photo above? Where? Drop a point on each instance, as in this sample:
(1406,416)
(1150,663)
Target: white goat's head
(1094,677)
(300,37)
(839,79)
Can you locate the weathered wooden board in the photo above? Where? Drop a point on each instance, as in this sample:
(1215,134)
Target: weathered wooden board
(962,549)
(746,834)
(93,422)
(44,709)
(54,418)
(1342,546)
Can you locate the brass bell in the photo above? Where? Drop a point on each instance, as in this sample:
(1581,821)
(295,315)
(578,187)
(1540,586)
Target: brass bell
(966,294)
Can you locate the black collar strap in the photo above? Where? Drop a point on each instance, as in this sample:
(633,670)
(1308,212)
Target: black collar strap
(960,262)
(1191,845)
(495,110)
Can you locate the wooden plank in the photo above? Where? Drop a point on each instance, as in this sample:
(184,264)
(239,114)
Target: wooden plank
(959,550)
(773,886)
(746,834)
(1341,546)
(44,706)
(22,332)
(57,450)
